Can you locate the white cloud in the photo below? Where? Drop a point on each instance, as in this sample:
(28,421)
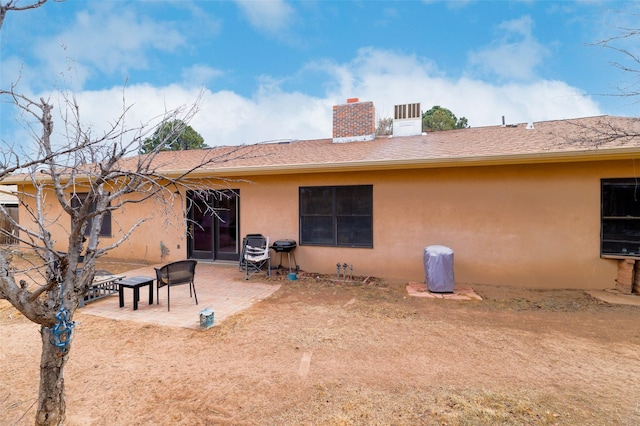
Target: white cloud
(484,104)
(102,41)
(228,119)
(13,70)
(271,17)
(200,75)
(224,117)
(384,77)
(388,78)
(515,55)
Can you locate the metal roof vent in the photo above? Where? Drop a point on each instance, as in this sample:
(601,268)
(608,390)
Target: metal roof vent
(407,120)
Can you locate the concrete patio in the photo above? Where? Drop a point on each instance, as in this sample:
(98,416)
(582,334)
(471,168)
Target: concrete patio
(220,287)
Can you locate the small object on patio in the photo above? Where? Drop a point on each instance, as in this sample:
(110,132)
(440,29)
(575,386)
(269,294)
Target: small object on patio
(292,276)
(206,318)
(174,273)
(135,283)
(255,257)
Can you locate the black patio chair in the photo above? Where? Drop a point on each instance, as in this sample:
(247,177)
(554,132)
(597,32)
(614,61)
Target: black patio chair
(175,273)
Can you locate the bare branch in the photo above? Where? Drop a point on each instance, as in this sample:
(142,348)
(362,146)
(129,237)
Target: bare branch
(13,6)
(616,44)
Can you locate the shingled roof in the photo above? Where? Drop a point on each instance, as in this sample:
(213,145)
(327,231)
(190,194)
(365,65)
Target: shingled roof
(581,139)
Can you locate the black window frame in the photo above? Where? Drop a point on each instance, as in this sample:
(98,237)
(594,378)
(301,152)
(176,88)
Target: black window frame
(77,199)
(342,214)
(620,217)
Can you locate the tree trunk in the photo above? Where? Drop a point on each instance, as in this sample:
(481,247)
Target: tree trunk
(51,398)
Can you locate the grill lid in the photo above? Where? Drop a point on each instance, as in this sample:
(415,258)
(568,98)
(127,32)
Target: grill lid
(284,245)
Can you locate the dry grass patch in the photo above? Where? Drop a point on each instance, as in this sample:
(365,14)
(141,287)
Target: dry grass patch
(322,351)
(339,405)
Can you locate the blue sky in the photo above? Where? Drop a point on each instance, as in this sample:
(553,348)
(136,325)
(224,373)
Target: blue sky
(268,70)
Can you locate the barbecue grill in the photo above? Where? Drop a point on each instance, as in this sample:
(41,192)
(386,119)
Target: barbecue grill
(286,246)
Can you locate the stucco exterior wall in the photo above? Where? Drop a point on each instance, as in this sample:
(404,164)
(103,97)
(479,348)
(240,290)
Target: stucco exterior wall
(164,225)
(527,225)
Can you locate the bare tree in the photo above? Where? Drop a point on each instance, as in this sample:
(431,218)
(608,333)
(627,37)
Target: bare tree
(384,127)
(111,175)
(110,178)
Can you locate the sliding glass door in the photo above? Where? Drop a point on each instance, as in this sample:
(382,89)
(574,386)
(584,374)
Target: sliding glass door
(213,232)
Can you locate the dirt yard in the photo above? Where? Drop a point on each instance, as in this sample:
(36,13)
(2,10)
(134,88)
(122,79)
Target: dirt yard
(321,352)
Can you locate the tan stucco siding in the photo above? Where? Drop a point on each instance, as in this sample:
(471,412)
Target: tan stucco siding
(161,224)
(515,226)
(529,225)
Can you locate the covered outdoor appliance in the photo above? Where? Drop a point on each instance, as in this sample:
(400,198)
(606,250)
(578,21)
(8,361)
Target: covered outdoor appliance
(438,269)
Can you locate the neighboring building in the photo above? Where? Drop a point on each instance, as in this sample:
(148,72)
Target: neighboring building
(535,205)
(9,203)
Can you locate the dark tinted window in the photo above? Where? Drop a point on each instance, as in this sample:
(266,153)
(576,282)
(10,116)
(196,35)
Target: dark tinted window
(336,216)
(620,218)
(105,231)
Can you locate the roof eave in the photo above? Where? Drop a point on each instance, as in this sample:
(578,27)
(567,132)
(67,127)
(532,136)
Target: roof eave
(467,161)
(593,154)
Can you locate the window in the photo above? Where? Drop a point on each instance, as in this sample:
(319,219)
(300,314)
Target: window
(620,224)
(76,201)
(336,216)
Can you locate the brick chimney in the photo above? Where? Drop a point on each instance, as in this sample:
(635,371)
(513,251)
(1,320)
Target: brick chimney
(354,121)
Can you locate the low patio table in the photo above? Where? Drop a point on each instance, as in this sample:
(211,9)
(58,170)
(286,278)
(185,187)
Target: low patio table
(135,283)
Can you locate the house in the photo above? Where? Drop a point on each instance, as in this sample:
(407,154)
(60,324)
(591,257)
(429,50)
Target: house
(9,203)
(547,205)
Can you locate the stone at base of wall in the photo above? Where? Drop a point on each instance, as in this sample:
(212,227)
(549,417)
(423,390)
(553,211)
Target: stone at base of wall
(626,273)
